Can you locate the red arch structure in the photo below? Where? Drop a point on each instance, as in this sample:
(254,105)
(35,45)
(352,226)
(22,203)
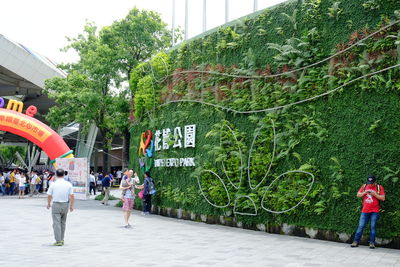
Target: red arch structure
(36,132)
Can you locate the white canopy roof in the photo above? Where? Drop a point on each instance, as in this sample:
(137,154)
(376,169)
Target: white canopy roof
(28,65)
(22,76)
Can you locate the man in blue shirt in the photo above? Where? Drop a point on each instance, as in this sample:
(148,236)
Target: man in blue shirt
(99,180)
(106,183)
(66,177)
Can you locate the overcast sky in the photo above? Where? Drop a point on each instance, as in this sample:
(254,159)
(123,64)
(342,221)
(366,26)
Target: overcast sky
(42,25)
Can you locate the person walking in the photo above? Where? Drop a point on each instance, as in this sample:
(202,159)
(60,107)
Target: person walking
(27,184)
(21,183)
(38,182)
(45,181)
(32,187)
(119,176)
(92,183)
(106,184)
(51,178)
(12,182)
(99,181)
(2,183)
(66,177)
(7,182)
(372,193)
(61,195)
(17,178)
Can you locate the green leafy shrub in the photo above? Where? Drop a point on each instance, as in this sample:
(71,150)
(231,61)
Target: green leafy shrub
(101,197)
(119,204)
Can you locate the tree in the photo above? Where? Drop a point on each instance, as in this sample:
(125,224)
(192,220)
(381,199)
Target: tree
(87,95)
(8,154)
(93,91)
(136,38)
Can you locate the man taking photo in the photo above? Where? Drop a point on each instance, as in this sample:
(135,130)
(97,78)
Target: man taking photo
(371,193)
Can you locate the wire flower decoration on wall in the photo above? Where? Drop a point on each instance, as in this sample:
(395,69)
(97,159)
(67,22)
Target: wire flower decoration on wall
(249,184)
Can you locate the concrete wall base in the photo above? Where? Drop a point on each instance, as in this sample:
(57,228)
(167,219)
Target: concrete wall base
(285,229)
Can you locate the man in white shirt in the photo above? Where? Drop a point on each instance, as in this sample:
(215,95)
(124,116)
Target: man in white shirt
(45,182)
(32,183)
(119,175)
(62,195)
(92,184)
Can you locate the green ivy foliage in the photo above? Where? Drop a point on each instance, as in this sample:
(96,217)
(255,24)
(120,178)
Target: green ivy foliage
(339,138)
(144,82)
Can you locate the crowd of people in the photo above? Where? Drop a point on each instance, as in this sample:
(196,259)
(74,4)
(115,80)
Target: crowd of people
(99,181)
(21,182)
(17,181)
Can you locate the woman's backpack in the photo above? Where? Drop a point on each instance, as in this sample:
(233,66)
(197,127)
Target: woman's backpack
(152,188)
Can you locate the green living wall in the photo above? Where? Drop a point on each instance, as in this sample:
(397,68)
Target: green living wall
(321,129)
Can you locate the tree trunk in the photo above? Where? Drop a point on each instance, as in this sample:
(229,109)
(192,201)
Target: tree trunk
(106,160)
(125,148)
(95,158)
(106,150)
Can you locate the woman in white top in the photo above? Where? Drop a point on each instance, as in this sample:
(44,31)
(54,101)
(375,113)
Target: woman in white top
(21,180)
(135,179)
(50,179)
(45,183)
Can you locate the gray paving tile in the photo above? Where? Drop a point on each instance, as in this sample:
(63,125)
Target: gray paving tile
(95,237)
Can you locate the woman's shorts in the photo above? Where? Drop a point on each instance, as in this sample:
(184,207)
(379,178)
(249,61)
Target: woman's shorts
(128,204)
(22,188)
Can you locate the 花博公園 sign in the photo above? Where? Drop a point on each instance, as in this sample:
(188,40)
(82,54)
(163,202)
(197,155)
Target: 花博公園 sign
(166,139)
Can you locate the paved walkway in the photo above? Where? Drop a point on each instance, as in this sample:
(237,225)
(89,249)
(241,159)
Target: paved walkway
(95,237)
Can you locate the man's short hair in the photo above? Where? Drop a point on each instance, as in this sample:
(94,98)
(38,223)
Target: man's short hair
(60,173)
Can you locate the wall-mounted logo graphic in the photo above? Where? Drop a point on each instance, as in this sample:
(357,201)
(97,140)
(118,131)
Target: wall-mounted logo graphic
(165,140)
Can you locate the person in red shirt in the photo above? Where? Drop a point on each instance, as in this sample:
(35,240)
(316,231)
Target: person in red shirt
(372,194)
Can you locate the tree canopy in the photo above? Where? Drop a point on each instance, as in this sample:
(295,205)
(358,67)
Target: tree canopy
(94,90)
(136,38)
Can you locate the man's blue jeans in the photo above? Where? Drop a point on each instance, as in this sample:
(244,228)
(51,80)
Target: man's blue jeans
(12,187)
(364,218)
(3,189)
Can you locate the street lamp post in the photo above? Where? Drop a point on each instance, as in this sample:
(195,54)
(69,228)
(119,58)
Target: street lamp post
(255,7)
(173,22)
(186,18)
(226,11)
(204,15)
